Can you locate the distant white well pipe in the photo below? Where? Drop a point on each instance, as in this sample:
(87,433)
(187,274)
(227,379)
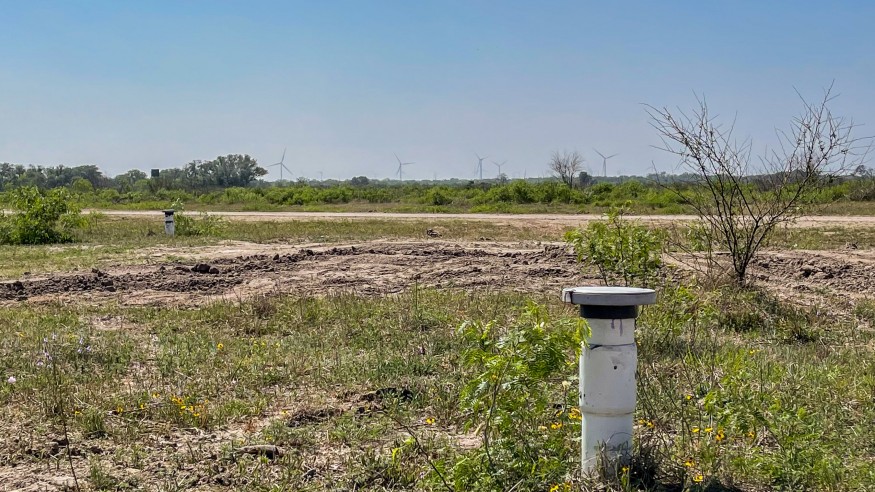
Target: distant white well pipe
(169,223)
(608,361)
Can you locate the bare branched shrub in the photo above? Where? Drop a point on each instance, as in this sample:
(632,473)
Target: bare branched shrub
(566,165)
(741,200)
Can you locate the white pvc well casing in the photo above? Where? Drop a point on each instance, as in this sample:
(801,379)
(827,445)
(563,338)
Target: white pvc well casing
(607,393)
(169,223)
(614,433)
(608,363)
(611,331)
(608,379)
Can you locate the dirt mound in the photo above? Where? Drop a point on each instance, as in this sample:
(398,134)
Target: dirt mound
(848,273)
(368,268)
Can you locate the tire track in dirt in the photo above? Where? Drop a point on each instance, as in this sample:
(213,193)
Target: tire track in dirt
(375,268)
(380,267)
(848,273)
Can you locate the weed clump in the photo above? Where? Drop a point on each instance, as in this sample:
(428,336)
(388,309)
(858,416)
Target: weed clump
(40,217)
(204,225)
(520,401)
(621,251)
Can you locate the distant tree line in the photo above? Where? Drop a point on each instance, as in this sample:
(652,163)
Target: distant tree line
(234,180)
(233,170)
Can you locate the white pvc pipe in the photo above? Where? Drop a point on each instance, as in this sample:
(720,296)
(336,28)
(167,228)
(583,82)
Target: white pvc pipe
(607,391)
(608,361)
(169,223)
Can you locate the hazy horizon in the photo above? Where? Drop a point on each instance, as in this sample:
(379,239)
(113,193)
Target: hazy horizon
(344,85)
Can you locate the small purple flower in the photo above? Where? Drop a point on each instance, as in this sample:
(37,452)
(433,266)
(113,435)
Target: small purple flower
(40,363)
(11,380)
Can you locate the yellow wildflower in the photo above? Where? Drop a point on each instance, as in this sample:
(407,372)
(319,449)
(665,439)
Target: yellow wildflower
(720,435)
(699,478)
(556,425)
(430,421)
(709,429)
(220,346)
(695,430)
(574,413)
(689,463)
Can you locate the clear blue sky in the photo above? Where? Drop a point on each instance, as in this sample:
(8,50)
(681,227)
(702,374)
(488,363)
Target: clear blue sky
(344,84)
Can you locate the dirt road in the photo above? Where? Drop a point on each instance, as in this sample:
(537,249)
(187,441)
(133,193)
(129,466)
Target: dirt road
(554,219)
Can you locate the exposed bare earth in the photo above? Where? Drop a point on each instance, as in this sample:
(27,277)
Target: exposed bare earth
(371,268)
(847,273)
(238,270)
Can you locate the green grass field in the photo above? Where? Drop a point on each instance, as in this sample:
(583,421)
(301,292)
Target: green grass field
(738,390)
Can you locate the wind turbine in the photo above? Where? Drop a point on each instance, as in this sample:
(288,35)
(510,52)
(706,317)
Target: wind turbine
(401,167)
(605,162)
(480,164)
(499,166)
(281,165)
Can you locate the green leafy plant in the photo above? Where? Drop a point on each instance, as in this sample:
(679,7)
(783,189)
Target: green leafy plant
(40,217)
(621,250)
(520,401)
(204,225)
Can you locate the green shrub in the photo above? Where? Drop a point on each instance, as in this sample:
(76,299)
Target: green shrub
(439,196)
(334,195)
(40,217)
(204,225)
(621,250)
(522,402)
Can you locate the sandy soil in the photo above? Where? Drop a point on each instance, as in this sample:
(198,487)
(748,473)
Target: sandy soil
(551,219)
(239,270)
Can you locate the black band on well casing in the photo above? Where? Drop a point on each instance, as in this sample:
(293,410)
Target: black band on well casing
(608,312)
